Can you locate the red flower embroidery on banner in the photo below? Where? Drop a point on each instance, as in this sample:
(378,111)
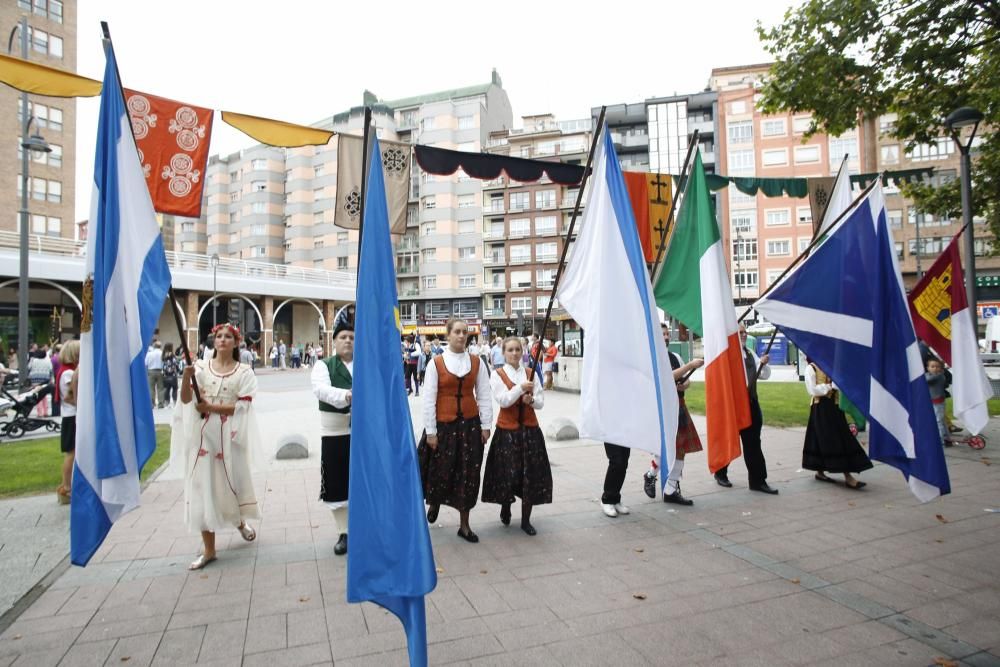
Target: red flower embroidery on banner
(219,456)
(202,452)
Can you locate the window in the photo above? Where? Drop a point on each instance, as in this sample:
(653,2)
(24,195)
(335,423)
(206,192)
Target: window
(341,237)
(498,305)
(938,150)
(744,249)
(840,147)
(428,228)
(520,304)
(234,196)
(743,221)
(318,218)
(806,154)
(895,217)
(740,106)
(427,124)
(258,164)
(429,202)
(745,279)
(801,124)
(519,254)
(258,207)
(773,127)
(187,246)
(520,227)
(341,263)
(54,158)
(775,157)
(429,282)
(466,201)
(427,177)
(467,227)
(317,243)
(319,170)
(467,309)
(428,254)
(258,251)
(804,215)
(258,230)
(496,255)
(519,201)
(466,122)
(54,228)
(887,123)
(496,202)
(899,249)
(804,242)
(317,194)
(466,281)
(520,279)
(545,252)
(38,224)
(234,217)
(741,132)
(981,246)
(545,199)
(543,304)
(776,217)
(258,186)
(287,245)
(545,225)
(890,154)
(467,253)
(438,309)
(741,161)
(234,176)
(545,278)
(187,227)
(779,248)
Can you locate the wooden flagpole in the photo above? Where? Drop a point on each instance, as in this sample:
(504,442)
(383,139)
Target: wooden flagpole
(681,182)
(569,234)
(171,295)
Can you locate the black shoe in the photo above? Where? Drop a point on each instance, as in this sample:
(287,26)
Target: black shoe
(649,483)
(469,536)
(676,498)
(432,513)
(528,528)
(723,480)
(340,548)
(764,488)
(505,514)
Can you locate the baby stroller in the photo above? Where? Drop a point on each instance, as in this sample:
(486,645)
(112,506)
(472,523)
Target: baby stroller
(22,405)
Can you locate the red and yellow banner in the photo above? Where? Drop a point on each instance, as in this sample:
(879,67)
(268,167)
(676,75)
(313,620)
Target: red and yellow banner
(651,195)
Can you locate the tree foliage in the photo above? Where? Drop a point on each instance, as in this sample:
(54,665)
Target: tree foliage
(919,59)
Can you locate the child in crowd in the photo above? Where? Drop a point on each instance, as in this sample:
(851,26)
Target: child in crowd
(938,383)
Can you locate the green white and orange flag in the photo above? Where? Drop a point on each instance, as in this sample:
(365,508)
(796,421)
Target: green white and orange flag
(693,286)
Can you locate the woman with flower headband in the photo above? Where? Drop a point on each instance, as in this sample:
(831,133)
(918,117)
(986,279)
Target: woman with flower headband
(215,441)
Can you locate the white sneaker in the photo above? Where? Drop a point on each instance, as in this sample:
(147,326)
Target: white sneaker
(621,509)
(609,510)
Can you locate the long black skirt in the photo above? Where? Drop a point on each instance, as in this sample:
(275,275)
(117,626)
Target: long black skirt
(830,446)
(518,466)
(450,472)
(335,468)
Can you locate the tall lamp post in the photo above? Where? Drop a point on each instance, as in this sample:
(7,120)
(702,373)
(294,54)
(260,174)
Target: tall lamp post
(957,120)
(215,288)
(35,144)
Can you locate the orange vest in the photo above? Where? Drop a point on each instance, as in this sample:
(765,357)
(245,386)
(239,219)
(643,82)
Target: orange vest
(456,398)
(513,417)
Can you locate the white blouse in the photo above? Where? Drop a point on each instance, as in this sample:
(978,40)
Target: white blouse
(459,364)
(508,397)
(331,423)
(817,389)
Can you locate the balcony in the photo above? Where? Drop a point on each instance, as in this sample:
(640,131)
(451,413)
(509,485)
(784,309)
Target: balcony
(493,234)
(496,286)
(523,259)
(570,202)
(413,291)
(519,233)
(546,259)
(703,126)
(491,208)
(494,183)
(495,312)
(494,260)
(408,270)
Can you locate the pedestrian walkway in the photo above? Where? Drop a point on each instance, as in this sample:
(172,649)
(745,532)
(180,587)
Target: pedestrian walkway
(817,575)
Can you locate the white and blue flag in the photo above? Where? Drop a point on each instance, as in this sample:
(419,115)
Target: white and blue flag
(130,277)
(858,330)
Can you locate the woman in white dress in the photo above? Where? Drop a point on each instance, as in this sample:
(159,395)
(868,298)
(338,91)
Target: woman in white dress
(215,440)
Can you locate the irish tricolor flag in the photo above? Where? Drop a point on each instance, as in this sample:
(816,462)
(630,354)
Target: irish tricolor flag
(693,286)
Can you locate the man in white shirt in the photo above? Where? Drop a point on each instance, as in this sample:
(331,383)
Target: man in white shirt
(154,374)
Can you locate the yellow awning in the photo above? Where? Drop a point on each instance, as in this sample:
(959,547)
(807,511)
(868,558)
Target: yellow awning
(276,132)
(39,79)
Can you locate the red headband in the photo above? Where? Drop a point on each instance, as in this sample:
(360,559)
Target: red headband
(232,327)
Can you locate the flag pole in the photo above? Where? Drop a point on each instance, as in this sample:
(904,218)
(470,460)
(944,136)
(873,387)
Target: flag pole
(681,182)
(802,255)
(366,138)
(569,233)
(171,295)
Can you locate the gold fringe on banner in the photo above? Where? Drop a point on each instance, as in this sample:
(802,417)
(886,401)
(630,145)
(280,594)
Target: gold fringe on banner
(38,79)
(277,132)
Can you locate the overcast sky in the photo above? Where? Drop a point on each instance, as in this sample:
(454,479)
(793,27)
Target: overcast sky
(301,61)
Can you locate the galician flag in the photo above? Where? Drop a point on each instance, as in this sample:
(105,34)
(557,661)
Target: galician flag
(628,396)
(942,318)
(693,286)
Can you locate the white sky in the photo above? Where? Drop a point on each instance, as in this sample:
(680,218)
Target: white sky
(301,61)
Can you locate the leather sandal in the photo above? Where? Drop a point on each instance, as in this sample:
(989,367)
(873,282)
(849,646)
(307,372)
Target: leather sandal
(248,533)
(200,562)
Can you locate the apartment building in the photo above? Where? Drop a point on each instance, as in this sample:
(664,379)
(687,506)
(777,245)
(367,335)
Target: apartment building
(670,123)
(52,42)
(629,128)
(524,224)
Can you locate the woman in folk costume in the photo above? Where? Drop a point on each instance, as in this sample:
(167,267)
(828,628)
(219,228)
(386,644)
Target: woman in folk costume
(458,412)
(688,441)
(829,445)
(517,465)
(215,440)
(332,381)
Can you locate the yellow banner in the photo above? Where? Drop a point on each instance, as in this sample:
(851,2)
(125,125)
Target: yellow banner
(276,132)
(39,79)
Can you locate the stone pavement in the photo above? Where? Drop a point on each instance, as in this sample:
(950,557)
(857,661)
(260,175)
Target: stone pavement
(819,574)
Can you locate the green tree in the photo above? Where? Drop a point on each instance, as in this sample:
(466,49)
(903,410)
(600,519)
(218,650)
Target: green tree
(919,59)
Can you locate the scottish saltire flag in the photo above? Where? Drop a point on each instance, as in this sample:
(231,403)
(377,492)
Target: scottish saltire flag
(130,278)
(390,561)
(694,287)
(857,328)
(628,396)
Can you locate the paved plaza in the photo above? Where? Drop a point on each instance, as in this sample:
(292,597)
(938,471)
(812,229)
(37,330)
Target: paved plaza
(817,575)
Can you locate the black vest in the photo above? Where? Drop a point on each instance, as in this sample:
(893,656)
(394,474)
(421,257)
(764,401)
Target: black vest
(340,378)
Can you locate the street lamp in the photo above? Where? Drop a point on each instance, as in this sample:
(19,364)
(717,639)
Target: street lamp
(34,143)
(957,120)
(215,288)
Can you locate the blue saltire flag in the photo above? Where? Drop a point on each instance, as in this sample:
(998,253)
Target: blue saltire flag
(858,330)
(125,261)
(390,561)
